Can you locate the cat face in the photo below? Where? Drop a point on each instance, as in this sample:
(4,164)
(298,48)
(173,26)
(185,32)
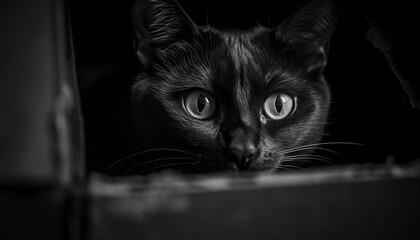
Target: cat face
(234,100)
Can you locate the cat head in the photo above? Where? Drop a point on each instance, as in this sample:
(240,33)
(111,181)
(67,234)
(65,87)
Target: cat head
(239,100)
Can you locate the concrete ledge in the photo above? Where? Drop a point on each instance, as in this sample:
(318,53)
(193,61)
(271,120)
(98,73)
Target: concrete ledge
(354,202)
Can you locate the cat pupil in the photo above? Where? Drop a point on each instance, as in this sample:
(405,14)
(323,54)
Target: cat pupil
(201,102)
(279,104)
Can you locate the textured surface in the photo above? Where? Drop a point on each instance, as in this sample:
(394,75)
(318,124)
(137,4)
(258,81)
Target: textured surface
(364,202)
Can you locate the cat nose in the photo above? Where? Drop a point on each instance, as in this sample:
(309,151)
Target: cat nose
(244,154)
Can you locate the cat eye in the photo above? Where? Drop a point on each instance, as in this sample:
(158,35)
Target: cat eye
(278,106)
(199,104)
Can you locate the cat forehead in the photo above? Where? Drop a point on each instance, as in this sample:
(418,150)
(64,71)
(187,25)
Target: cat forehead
(239,50)
(242,49)
(250,52)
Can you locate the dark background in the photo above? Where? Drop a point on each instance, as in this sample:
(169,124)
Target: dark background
(369,105)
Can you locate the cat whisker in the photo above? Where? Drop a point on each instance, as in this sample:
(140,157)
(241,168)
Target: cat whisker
(307,159)
(288,167)
(317,146)
(293,150)
(290,156)
(307,156)
(149,151)
(332,143)
(192,165)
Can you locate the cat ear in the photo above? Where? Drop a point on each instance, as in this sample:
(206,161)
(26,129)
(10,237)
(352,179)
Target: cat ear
(309,29)
(159,24)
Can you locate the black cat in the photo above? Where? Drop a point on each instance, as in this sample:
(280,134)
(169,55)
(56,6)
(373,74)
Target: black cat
(210,100)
